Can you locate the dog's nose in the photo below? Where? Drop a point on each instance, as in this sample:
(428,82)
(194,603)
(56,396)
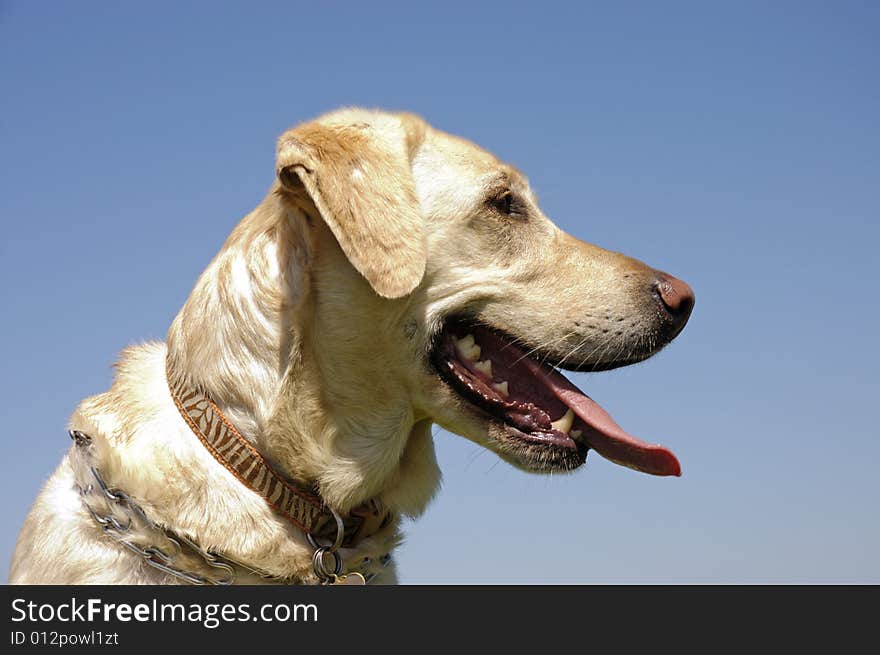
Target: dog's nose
(676,297)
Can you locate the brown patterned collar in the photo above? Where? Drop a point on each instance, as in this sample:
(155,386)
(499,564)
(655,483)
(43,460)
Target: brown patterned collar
(301,506)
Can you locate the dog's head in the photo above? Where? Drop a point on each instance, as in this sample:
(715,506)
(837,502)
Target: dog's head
(442,293)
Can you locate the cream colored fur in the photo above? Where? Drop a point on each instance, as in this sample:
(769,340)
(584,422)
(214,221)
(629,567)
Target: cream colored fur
(310,329)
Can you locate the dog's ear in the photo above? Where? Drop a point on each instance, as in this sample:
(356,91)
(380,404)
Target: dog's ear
(359,177)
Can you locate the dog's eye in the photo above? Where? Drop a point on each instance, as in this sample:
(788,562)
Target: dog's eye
(504,203)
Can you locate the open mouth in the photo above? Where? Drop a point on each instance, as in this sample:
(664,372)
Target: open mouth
(537,405)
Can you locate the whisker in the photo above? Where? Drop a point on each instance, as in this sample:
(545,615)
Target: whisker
(543,346)
(572,351)
(591,353)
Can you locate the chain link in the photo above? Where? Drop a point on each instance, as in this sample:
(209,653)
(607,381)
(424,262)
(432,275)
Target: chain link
(163,558)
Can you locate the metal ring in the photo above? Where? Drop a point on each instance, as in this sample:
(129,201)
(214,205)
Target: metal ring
(156,552)
(107,522)
(222,566)
(137,550)
(320,567)
(81,438)
(192,578)
(340,535)
(111,494)
(175,549)
(116,525)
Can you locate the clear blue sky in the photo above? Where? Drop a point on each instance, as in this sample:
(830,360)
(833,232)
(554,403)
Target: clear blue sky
(735,145)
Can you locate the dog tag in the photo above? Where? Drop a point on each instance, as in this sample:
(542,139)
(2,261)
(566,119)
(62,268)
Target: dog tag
(350,578)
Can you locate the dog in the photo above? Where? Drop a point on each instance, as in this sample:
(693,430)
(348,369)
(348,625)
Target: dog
(394,277)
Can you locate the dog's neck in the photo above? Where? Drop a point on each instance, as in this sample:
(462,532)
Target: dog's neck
(247,336)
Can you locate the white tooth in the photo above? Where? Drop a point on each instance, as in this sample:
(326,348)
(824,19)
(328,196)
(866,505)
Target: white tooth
(484,367)
(576,434)
(564,424)
(465,345)
(501,388)
(467,348)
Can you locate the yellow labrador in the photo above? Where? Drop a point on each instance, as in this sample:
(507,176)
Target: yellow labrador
(395,276)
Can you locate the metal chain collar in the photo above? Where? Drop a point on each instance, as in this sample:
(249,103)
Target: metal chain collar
(221,569)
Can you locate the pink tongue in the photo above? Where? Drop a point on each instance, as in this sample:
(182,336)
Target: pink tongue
(603,434)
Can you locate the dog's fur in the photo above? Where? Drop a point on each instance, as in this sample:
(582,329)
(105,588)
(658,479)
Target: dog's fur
(311,329)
